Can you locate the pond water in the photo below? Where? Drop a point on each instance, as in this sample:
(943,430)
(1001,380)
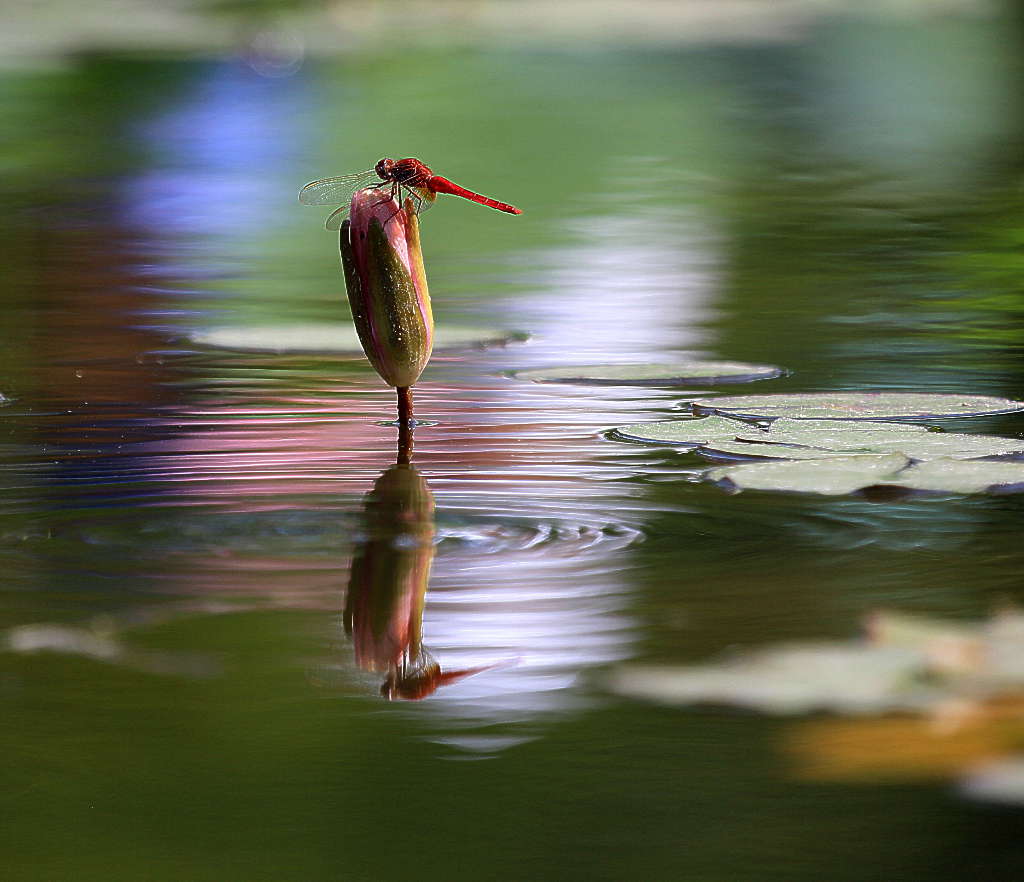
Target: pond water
(183,528)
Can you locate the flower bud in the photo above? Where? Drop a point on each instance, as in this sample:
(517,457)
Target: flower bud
(387,286)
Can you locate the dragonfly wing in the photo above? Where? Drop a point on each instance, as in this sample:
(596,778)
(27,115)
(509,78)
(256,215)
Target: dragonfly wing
(334,191)
(336,217)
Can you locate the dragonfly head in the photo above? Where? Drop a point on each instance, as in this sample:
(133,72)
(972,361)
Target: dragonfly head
(383,168)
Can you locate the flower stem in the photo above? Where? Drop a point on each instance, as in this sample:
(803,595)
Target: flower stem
(404,405)
(405,424)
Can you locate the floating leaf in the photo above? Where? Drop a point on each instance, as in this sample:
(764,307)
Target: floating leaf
(799,679)
(956,687)
(903,663)
(337,338)
(1001,781)
(816,439)
(993,650)
(855,406)
(812,431)
(833,476)
(742,448)
(678,373)
(953,445)
(950,647)
(684,433)
(787,438)
(957,476)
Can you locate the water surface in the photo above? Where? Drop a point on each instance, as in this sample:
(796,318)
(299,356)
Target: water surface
(184,521)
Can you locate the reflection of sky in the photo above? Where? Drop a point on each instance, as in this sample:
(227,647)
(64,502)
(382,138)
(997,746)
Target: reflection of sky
(636,287)
(211,156)
(553,603)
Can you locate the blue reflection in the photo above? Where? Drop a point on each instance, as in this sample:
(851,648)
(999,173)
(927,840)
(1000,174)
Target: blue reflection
(212,153)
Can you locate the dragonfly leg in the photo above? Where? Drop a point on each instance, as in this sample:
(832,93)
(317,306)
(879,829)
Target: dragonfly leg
(418,199)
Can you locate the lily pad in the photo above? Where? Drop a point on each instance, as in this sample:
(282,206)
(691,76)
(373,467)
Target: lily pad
(743,449)
(793,679)
(816,439)
(678,373)
(957,476)
(1000,781)
(338,338)
(904,662)
(836,474)
(833,476)
(928,697)
(684,433)
(951,648)
(855,406)
(812,430)
(990,652)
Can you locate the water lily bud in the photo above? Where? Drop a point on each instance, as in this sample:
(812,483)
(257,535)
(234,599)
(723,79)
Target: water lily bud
(387,286)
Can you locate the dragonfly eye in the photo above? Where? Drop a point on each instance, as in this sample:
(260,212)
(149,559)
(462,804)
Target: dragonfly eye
(383,168)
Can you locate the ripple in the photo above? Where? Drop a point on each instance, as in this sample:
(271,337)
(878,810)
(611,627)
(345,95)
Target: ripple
(510,536)
(245,482)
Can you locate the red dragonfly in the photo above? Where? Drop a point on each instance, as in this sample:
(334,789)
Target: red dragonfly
(394,177)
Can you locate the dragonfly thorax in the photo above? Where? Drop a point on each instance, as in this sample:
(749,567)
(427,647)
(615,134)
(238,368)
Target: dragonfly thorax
(409,171)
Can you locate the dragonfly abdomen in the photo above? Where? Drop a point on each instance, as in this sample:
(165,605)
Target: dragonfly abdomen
(437,184)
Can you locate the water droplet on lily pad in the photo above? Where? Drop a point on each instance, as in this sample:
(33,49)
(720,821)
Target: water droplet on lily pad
(677,373)
(816,439)
(338,338)
(833,476)
(855,406)
(683,433)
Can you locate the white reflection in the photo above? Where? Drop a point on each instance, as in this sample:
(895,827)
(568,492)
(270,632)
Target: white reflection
(642,282)
(545,616)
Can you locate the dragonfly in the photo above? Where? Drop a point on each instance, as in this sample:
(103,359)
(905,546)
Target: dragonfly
(394,178)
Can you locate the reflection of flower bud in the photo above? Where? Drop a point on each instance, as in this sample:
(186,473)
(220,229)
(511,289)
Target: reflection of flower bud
(387,286)
(391,570)
(388,585)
